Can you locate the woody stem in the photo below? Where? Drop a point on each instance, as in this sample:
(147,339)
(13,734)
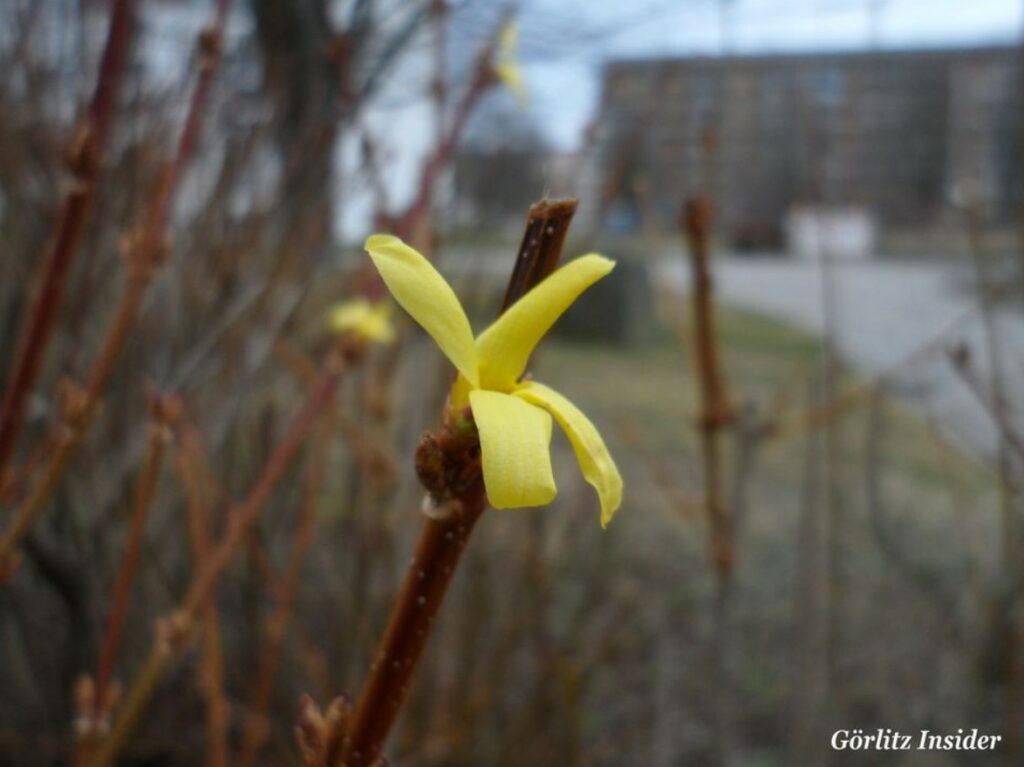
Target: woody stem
(438,551)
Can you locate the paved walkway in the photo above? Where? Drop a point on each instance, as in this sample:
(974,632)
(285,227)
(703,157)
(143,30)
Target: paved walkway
(885,313)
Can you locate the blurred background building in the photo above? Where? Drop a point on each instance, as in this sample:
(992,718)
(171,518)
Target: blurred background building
(885,136)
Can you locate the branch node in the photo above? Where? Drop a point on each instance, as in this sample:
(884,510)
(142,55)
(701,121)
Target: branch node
(83,155)
(211,44)
(174,632)
(321,735)
(448,462)
(73,404)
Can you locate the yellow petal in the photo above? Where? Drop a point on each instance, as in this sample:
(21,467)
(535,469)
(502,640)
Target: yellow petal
(422,291)
(458,396)
(378,326)
(512,76)
(506,64)
(595,461)
(515,446)
(371,321)
(505,347)
(508,40)
(348,315)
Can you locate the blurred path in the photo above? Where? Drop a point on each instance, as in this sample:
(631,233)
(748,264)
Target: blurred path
(885,311)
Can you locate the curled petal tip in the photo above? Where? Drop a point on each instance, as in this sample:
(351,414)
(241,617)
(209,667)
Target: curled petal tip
(592,454)
(600,261)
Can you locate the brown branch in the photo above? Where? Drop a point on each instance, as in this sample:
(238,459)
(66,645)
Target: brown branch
(817,416)
(686,506)
(85,162)
(890,542)
(406,224)
(97,696)
(309,655)
(211,668)
(448,464)
(715,408)
(144,250)
(437,555)
(781,424)
(164,412)
(716,413)
(547,225)
(999,412)
(1012,532)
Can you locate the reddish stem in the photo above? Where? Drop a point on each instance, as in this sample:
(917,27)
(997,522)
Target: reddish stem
(144,252)
(242,519)
(406,224)
(437,555)
(715,408)
(257,727)
(85,157)
(143,502)
(178,630)
(211,670)
(210,40)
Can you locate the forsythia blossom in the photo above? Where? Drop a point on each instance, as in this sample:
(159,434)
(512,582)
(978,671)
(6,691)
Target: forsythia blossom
(512,416)
(506,62)
(371,321)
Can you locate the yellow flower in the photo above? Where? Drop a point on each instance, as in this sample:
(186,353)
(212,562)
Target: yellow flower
(506,62)
(513,417)
(371,321)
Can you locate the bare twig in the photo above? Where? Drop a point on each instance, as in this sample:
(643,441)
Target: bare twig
(923,578)
(96,696)
(406,224)
(144,250)
(257,727)
(1009,621)
(715,407)
(1000,413)
(85,162)
(165,411)
(1012,532)
(175,633)
(809,656)
(211,669)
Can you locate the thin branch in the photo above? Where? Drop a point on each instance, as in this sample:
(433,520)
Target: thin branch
(85,162)
(144,251)
(164,413)
(258,728)
(94,714)
(716,412)
(998,412)
(176,632)
(923,578)
(211,668)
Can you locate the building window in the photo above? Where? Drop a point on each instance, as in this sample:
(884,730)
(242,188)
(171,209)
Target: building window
(827,86)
